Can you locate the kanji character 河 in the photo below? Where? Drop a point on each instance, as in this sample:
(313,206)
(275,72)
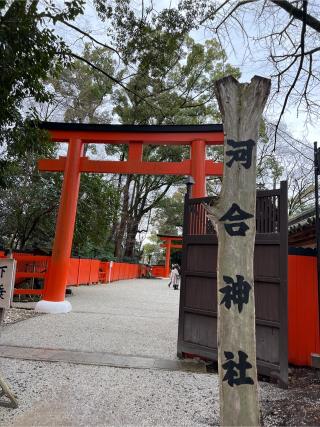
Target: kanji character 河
(241,152)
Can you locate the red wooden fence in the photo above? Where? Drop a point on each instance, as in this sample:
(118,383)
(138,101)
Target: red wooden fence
(159,271)
(81,271)
(113,271)
(303,318)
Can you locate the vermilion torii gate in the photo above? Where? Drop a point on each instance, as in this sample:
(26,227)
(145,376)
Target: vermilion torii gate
(169,242)
(135,136)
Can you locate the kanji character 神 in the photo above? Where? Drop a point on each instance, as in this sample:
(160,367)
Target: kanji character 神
(236,292)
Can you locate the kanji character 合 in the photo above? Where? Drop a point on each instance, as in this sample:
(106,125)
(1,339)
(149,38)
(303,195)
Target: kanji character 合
(236,216)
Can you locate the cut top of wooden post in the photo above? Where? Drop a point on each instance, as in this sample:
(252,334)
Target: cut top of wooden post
(243,103)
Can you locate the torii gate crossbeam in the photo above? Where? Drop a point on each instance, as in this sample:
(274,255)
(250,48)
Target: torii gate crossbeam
(76,135)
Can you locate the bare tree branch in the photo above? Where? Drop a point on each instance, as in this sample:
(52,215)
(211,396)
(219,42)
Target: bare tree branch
(299,14)
(89,36)
(303,33)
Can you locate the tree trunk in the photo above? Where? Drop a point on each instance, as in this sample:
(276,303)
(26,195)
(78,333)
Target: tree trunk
(132,231)
(118,251)
(241,106)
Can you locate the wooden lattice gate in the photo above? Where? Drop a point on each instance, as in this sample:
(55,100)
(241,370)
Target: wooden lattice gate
(198,298)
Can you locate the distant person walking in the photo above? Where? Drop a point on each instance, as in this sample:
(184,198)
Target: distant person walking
(178,277)
(174,277)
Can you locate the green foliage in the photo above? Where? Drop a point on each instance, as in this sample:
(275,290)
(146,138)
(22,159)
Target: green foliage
(81,91)
(148,35)
(30,199)
(28,205)
(152,251)
(29,209)
(273,167)
(167,219)
(25,140)
(170,78)
(181,91)
(168,216)
(97,206)
(30,51)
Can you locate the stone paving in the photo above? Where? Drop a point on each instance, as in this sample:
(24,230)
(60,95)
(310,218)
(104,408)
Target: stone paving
(100,359)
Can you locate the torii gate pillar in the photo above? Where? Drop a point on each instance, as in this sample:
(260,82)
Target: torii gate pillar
(168,253)
(198,168)
(54,292)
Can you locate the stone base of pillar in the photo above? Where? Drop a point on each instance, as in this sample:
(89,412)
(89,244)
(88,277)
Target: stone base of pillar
(53,307)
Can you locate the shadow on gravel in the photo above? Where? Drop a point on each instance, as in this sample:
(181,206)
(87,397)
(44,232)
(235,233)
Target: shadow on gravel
(301,406)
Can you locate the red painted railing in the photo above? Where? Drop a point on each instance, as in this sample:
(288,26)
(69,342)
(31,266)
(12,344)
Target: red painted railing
(29,267)
(159,271)
(81,271)
(113,271)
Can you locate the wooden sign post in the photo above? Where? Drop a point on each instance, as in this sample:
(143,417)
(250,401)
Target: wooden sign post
(7,277)
(233,214)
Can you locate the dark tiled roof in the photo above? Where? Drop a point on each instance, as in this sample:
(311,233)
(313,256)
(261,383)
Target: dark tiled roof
(131,128)
(303,220)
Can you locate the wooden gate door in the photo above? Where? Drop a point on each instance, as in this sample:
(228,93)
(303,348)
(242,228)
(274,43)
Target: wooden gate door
(198,296)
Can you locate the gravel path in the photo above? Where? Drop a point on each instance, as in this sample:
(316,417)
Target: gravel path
(137,318)
(60,394)
(14,315)
(63,394)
